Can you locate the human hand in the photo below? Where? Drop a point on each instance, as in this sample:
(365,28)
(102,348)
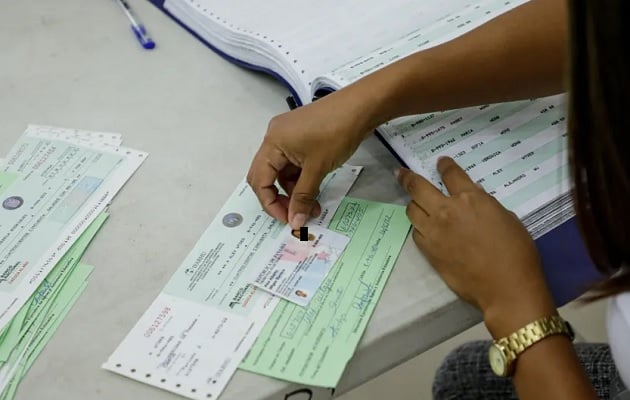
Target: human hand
(481,250)
(300,148)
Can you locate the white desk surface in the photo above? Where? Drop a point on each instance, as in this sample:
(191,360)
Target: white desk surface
(75,64)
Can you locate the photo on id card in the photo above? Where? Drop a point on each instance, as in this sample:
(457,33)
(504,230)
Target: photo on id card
(298,267)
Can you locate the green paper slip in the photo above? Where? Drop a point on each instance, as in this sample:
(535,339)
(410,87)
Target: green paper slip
(48,289)
(312,345)
(44,327)
(73,285)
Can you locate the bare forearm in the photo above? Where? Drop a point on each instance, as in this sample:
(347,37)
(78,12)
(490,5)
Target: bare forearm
(551,370)
(518,55)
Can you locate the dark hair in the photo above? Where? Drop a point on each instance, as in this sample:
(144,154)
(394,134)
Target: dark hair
(599,135)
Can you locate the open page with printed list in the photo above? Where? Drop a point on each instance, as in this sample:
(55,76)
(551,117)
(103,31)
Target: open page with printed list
(517,151)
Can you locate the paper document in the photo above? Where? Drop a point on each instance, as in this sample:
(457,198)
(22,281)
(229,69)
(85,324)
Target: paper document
(517,151)
(447,21)
(51,189)
(194,335)
(297,268)
(312,345)
(28,350)
(34,324)
(78,136)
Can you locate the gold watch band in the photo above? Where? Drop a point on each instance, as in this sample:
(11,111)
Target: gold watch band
(510,347)
(533,332)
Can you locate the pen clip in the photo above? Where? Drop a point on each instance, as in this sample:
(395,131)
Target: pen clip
(291,103)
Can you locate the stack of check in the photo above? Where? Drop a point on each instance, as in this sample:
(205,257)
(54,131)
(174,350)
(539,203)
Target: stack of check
(55,186)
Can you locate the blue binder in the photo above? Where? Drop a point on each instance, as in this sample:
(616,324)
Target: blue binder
(568,268)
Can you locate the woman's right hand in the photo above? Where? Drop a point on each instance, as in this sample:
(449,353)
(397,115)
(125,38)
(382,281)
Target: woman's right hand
(301,147)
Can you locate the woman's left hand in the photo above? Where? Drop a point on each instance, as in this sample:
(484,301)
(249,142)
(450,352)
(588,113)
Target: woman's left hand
(482,251)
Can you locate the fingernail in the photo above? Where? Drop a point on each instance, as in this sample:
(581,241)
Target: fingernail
(397,172)
(299,220)
(439,160)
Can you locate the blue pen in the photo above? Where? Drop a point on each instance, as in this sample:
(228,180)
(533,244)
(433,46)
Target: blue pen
(137,28)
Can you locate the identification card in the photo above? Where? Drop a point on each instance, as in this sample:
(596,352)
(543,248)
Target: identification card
(299,263)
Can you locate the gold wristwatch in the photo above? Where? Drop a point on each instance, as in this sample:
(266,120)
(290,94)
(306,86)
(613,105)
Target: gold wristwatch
(504,352)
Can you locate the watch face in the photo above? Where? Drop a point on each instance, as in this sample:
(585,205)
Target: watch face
(497,360)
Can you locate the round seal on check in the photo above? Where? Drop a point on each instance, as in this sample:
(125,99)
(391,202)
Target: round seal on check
(12,203)
(232,220)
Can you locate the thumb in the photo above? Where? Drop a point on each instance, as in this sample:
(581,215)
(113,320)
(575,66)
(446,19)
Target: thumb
(304,195)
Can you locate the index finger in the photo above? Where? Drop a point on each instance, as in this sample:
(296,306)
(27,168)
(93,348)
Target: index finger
(454,177)
(422,192)
(262,176)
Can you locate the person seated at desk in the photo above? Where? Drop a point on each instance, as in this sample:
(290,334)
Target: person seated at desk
(481,250)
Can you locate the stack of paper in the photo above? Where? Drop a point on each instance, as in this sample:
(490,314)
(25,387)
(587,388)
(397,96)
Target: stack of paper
(301,41)
(312,345)
(55,185)
(516,151)
(209,316)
